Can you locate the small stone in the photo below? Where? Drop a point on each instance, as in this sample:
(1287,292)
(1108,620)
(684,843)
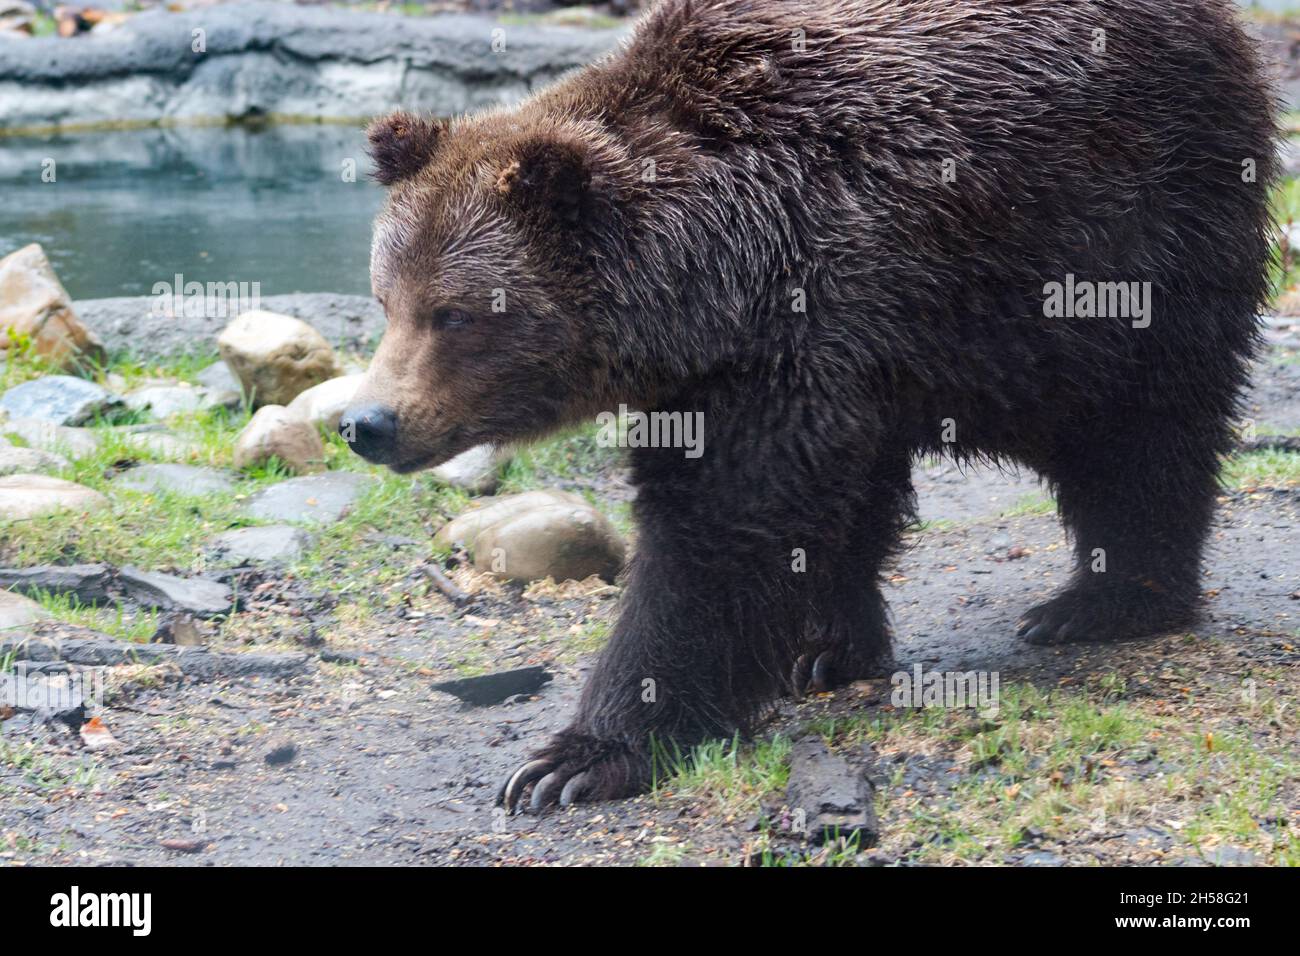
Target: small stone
(175,479)
(1041,858)
(179,629)
(74,443)
(30,461)
(474,471)
(315,499)
(182,845)
(488,689)
(27,496)
(220,387)
(18,611)
(88,583)
(323,404)
(281,753)
(167,591)
(274,432)
(267,544)
(164,401)
(276,357)
(34,307)
(835,799)
(59,400)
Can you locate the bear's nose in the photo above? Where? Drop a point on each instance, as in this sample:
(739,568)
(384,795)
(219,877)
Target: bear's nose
(370,430)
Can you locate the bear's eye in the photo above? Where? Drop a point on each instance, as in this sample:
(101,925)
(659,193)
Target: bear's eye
(451,318)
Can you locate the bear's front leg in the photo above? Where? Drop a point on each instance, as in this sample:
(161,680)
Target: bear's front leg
(729,571)
(695,654)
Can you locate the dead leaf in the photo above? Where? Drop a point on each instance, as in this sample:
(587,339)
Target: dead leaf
(96,736)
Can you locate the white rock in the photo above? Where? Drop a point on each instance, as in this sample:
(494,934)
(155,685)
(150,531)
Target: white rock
(474,471)
(19,611)
(273,431)
(27,496)
(221,388)
(164,401)
(29,461)
(74,443)
(276,357)
(323,404)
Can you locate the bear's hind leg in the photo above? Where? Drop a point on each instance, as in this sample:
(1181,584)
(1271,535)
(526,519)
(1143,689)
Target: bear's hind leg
(1138,497)
(848,635)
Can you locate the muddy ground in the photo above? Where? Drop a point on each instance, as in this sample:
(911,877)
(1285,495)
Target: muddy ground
(381,769)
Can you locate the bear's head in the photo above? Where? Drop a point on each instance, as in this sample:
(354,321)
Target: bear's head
(485,260)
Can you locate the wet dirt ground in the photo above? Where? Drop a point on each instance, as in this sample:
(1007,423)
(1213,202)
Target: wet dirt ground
(368,765)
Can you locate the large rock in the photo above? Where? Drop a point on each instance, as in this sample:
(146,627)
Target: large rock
(59,400)
(29,496)
(323,404)
(315,499)
(29,461)
(19,611)
(196,596)
(274,432)
(537,535)
(465,527)
(176,479)
(263,59)
(35,309)
(276,357)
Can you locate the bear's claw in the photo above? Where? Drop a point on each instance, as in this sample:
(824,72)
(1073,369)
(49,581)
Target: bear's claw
(513,788)
(817,676)
(575,767)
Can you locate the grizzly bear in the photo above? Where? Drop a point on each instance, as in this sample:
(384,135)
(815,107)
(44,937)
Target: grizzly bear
(848,233)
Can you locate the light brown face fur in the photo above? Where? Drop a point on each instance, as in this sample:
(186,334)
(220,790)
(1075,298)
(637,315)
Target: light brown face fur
(483,289)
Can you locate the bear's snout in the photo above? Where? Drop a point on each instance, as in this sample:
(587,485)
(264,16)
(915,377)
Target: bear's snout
(371,430)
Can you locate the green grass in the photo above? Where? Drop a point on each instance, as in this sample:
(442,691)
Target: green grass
(727,774)
(118,621)
(1274,469)
(573,456)
(46,772)
(1059,761)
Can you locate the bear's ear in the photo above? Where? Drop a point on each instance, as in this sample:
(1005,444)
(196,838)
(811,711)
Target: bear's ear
(401,144)
(549,173)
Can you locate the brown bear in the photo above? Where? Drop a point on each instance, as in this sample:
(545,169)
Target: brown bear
(848,233)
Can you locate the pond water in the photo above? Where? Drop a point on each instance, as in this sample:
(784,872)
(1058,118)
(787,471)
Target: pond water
(130,209)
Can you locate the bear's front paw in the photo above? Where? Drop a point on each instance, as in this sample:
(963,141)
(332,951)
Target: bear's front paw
(576,767)
(828,670)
